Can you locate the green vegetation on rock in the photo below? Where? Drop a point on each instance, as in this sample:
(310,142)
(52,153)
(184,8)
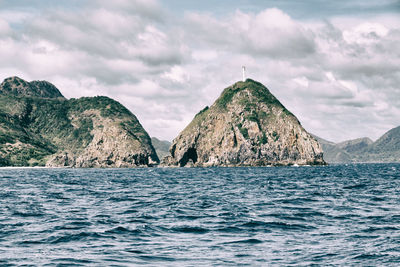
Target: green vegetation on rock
(15,86)
(263,139)
(243,131)
(38,126)
(275,135)
(258,90)
(237,130)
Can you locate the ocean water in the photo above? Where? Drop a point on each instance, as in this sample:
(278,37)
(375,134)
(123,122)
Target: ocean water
(333,215)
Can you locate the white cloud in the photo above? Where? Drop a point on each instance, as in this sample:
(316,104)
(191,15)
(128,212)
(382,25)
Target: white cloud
(269,33)
(177,74)
(144,8)
(365,33)
(275,33)
(303,81)
(340,77)
(204,55)
(4,27)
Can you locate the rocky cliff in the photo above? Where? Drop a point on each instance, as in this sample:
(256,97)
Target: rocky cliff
(246,126)
(39,127)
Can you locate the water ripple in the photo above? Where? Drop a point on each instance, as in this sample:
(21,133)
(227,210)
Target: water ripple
(334,215)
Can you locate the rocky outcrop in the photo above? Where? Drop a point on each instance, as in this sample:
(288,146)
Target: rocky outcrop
(39,127)
(15,86)
(246,126)
(115,142)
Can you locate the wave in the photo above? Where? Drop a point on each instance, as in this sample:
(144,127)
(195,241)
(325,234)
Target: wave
(333,215)
(190,229)
(246,241)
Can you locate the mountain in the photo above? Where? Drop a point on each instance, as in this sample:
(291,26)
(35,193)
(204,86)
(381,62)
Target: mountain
(385,149)
(161,147)
(39,127)
(389,142)
(332,152)
(356,145)
(246,126)
(15,86)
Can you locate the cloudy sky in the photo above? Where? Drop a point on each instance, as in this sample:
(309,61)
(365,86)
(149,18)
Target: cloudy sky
(334,64)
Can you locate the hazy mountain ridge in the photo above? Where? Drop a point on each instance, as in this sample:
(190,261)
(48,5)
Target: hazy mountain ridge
(385,149)
(246,126)
(355,145)
(38,126)
(161,147)
(333,153)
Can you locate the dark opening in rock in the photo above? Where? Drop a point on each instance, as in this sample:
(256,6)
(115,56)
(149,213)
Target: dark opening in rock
(172,150)
(191,153)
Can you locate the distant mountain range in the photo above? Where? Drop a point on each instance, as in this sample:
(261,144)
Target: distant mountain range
(161,147)
(385,149)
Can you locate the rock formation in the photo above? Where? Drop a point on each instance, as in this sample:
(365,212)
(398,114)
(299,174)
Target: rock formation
(16,86)
(246,126)
(39,127)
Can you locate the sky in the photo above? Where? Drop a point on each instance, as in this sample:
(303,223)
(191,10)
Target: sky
(334,64)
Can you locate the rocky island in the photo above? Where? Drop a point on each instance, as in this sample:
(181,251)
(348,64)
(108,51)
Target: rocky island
(39,127)
(246,126)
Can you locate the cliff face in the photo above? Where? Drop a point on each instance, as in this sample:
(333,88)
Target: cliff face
(42,128)
(246,126)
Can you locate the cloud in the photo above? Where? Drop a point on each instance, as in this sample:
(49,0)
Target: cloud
(339,76)
(4,27)
(274,33)
(365,33)
(111,45)
(270,33)
(149,9)
(177,74)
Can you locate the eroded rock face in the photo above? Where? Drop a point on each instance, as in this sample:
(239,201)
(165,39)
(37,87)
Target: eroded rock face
(246,126)
(111,145)
(39,127)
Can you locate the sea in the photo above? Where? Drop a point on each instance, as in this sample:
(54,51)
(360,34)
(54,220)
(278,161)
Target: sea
(336,215)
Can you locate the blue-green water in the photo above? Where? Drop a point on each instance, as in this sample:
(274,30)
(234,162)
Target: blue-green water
(339,215)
